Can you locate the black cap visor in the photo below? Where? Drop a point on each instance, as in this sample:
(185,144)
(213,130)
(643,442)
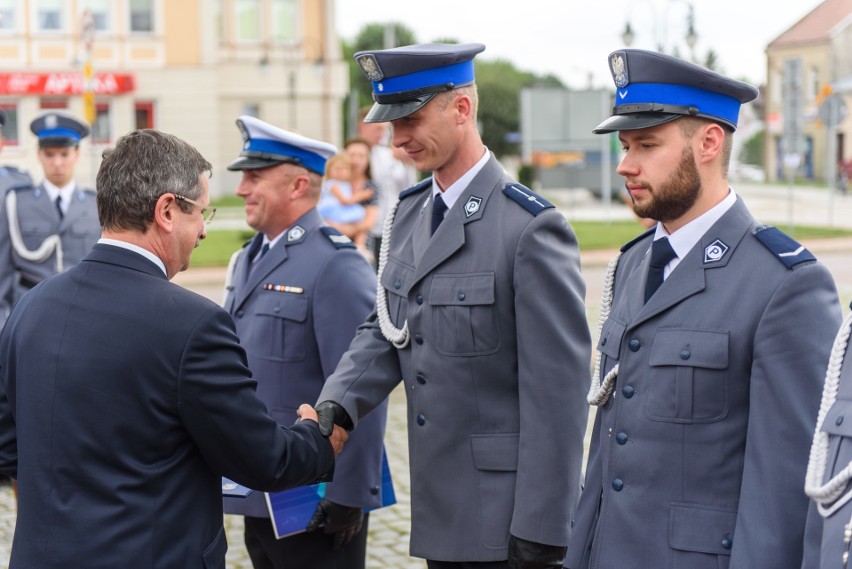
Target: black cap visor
(393,111)
(256,163)
(634,121)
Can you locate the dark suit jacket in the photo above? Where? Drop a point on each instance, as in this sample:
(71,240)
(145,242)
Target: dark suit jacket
(123,399)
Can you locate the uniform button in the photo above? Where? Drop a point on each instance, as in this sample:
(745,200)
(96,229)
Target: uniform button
(421,379)
(627,391)
(839,420)
(621,438)
(276,310)
(419,299)
(421,420)
(397,283)
(461,296)
(633,345)
(684,355)
(374,490)
(617,484)
(727,543)
(418,338)
(240,313)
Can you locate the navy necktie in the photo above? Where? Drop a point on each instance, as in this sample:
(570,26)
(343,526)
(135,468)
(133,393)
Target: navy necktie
(263,251)
(661,254)
(59,207)
(438,209)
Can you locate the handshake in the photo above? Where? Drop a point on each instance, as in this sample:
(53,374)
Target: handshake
(334,422)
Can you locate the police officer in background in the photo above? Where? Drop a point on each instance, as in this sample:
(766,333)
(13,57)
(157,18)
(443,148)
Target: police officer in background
(11,176)
(46,228)
(714,340)
(480,313)
(297,292)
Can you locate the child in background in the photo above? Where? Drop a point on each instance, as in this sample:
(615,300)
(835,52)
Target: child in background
(339,204)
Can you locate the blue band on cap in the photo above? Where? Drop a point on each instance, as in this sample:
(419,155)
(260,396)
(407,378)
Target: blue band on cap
(457,74)
(309,160)
(59,133)
(708,103)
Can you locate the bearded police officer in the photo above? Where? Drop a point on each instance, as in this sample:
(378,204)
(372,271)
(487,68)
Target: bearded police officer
(714,340)
(480,313)
(297,293)
(49,227)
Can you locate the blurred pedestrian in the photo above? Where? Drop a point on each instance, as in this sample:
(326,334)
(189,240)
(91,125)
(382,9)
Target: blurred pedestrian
(46,228)
(339,203)
(480,313)
(714,339)
(297,293)
(124,398)
(358,152)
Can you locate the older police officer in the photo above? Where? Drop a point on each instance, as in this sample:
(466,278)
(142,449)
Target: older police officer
(47,228)
(297,293)
(480,313)
(715,335)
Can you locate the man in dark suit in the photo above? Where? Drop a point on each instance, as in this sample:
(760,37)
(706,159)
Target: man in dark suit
(480,313)
(714,340)
(124,398)
(297,293)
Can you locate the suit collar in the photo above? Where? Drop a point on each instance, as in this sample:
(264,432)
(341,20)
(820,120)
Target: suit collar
(113,255)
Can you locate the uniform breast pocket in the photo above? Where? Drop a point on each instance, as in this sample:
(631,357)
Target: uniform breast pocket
(396,280)
(464,314)
(838,425)
(282,323)
(609,344)
(689,376)
(34,232)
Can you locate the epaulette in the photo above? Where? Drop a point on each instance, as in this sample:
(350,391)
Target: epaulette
(637,239)
(528,199)
(785,248)
(339,240)
(418,187)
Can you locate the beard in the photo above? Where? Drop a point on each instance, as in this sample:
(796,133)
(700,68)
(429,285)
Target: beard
(676,195)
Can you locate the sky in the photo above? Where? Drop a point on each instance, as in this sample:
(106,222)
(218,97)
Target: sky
(572,38)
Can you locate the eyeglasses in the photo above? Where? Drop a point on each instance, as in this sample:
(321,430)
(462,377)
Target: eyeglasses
(207,213)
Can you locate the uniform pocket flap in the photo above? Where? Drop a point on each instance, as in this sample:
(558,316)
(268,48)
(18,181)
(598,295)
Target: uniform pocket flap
(838,420)
(495,451)
(289,306)
(704,529)
(611,335)
(396,278)
(462,290)
(693,348)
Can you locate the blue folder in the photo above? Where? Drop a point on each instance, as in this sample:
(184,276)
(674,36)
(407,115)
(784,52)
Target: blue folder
(291,510)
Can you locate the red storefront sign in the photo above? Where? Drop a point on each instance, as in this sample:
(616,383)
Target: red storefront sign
(64,83)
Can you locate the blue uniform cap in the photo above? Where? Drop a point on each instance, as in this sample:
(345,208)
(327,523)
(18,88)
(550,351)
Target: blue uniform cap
(265,145)
(406,78)
(654,88)
(55,128)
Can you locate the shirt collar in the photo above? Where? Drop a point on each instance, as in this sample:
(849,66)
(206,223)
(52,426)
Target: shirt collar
(67,191)
(452,194)
(136,249)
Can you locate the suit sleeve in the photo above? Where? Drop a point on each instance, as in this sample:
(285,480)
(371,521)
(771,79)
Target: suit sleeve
(345,294)
(230,424)
(554,356)
(791,349)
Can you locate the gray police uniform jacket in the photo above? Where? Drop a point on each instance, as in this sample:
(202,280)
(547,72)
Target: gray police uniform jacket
(38,220)
(295,336)
(495,371)
(698,458)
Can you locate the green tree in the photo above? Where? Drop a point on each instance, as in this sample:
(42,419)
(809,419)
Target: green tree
(752,150)
(371,37)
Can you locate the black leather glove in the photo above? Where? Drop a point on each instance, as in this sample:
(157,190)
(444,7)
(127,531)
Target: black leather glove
(330,413)
(525,554)
(342,522)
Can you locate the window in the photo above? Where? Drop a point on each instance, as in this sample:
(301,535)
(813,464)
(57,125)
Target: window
(50,15)
(144,114)
(101,131)
(10,129)
(247,20)
(141,15)
(100,13)
(53,103)
(8,22)
(283,20)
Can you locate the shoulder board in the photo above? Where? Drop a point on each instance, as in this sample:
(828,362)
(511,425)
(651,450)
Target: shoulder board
(89,190)
(339,240)
(637,239)
(785,248)
(418,187)
(247,243)
(528,199)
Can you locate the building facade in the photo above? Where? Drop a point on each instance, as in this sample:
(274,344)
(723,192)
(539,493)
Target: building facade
(188,67)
